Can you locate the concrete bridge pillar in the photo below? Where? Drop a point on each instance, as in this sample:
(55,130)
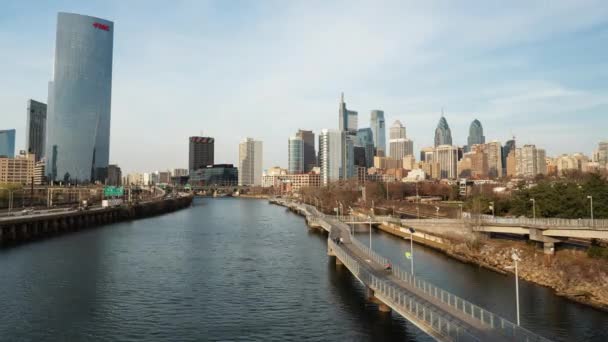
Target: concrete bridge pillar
(549,248)
(383,307)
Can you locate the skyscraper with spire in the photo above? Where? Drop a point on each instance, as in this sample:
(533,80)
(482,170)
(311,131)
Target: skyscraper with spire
(443,134)
(378,127)
(348,119)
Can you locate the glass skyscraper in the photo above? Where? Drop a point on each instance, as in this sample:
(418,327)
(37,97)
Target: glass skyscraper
(78,113)
(378,129)
(443,134)
(7,143)
(475,135)
(296,155)
(36,125)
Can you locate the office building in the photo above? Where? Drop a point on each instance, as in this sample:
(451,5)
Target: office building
(347,118)
(378,127)
(250,162)
(476,136)
(530,161)
(310,156)
(164,177)
(179,173)
(506,150)
(217,174)
(601,155)
(114,175)
(295,154)
(446,156)
(78,114)
(409,162)
(426,154)
(400,146)
(397,131)
(493,152)
(39,175)
(385,163)
(292,182)
(365,139)
(35,128)
(7,143)
(17,170)
(201,152)
(331,155)
(443,134)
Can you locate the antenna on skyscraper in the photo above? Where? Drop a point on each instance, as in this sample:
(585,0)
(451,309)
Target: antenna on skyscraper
(342,97)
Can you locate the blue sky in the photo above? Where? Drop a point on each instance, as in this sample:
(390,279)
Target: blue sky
(232,69)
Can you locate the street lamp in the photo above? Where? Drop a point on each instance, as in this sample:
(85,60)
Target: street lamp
(492,208)
(516,258)
(412,231)
(437,212)
(460,205)
(417,212)
(370,232)
(533,208)
(591,207)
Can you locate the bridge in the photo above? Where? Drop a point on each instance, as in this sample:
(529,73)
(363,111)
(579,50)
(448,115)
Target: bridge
(438,313)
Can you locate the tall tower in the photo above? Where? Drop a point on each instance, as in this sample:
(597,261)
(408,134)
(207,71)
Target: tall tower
(475,134)
(200,152)
(295,147)
(310,156)
(378,127)
(35,129)
(400,146)
(443,135)
(250,162)
(78,121)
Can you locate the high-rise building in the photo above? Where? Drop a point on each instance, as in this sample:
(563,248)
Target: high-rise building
(179,172)
(506,150)
(201,152)
(217,174)
(295,148)
(310,156)
(573,162)
(530,161)
(347,118)
(114,175)
(400,146)
(39,175)
(250,162)
(365,139)
(36,127)
(17,170)
(475,135)
(378,127)
(78,117)
(511,170)
(493,151)
(447,158)
(443,134)
(7,143)
(331,155)
(601,155)
(426,154)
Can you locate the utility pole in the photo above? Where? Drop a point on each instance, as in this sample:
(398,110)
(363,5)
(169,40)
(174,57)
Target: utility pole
(591,207)
(533,208)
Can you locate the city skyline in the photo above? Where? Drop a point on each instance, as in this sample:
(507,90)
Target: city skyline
(526,86)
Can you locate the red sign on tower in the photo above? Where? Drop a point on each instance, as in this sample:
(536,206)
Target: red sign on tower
(101,26)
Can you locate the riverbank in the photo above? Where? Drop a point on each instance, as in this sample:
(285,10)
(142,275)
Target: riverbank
(570,273)
(22,229)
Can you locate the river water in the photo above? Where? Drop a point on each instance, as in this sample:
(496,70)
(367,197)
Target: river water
(236,269)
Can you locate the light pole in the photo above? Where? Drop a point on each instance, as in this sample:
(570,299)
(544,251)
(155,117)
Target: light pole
(412,231)
(437,212)
(370,233)
(591,208)
(516,258)
(417,212)
(533,208)
(460,205)
(492,208)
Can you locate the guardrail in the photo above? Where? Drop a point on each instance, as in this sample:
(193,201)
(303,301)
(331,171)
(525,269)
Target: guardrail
(487,318)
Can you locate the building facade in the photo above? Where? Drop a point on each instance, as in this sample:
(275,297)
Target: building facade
(378,127)
(295,149)
(201,152)
(114,175)
(7,143)
(446,156)
(36,128)
(310,156)
(215,175)
(78,116)
(331,155)
(365,139)
(530,161)
(250,162)
(348,119)
(443,134)
(493,151)
(601,155)
(17,170)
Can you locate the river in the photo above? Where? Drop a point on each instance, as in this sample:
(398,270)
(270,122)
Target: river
(236,269)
